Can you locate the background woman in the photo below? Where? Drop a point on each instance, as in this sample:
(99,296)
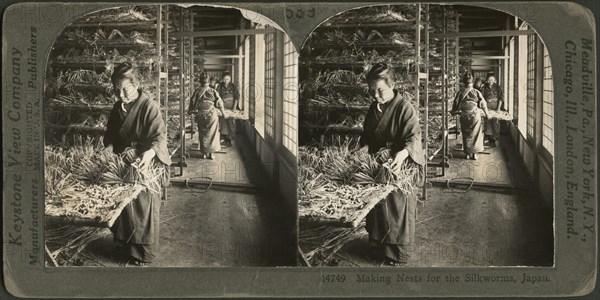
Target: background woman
(392,123)
(492,93)
(231,96)
(205,102)
(478,83)
(136,122)
(467,103)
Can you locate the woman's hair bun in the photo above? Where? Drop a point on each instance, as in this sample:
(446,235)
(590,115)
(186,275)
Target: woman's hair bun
(125,70)
(381,71)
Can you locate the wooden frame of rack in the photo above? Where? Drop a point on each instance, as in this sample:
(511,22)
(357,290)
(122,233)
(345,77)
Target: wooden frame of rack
(445,83)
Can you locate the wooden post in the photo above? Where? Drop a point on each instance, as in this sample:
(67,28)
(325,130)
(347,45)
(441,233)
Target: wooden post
(191,57)
(457,70)
(158,52)
(165,62)
(444,91)
(181,94)
(427,42)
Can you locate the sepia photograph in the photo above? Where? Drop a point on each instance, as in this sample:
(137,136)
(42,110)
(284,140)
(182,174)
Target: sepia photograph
(167,143)
(425,140)
(299,149)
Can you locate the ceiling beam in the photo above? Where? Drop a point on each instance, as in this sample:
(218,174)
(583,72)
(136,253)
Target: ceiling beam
(223,32)
(483,66)
(218,56)
(226,64)
(484,57)
(479,34)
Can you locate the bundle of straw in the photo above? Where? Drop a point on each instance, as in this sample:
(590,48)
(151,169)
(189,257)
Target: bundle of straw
(85,166)
(333,178)
(324,242)
(67,245)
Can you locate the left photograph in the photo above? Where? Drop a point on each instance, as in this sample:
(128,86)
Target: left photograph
(171,140)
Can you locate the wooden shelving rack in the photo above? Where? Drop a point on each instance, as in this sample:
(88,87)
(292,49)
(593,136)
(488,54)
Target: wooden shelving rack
(323,120)
(432,72)
(63,118)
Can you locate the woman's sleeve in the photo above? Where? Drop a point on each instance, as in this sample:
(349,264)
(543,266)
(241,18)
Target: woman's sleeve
(111,128)
(192,102)
(156,133)
(218,100)
(480,99)
(367,125)
(455,103)
(236,92)
(410,133)
(500,93)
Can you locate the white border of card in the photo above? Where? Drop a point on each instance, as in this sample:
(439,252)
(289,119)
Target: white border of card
(560,25)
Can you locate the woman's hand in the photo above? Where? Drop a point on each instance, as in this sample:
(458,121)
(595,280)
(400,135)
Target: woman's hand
(144,160)
(108,149)
(364,149)
(398,160)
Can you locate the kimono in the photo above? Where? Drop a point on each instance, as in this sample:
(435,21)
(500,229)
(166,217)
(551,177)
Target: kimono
(142,128)
(468,103)
(493,95)
(394,126)
(204,101)
(230,94)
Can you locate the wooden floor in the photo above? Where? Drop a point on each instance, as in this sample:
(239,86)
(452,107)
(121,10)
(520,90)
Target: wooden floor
(219,227)
(456,227)
(238,163)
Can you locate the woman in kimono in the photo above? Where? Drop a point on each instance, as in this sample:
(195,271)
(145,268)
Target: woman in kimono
(136,125)
(467,103)
(492,93)
(392,123)
(230,94)
(205,102)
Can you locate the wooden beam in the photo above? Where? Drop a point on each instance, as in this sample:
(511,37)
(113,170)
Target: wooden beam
(484,57)
(485,66)
(479,17)
(227,64)
(223,32)
(479,34)
(221,56)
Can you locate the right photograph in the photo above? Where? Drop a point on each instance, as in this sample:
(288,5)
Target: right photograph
(425,140)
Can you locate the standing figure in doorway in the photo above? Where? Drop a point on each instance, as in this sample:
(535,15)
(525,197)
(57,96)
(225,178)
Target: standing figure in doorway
(204,102)
(478,84)
(231,97)
(135,125)
(392,123)
(467,103)
(492,93)
(214,84)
